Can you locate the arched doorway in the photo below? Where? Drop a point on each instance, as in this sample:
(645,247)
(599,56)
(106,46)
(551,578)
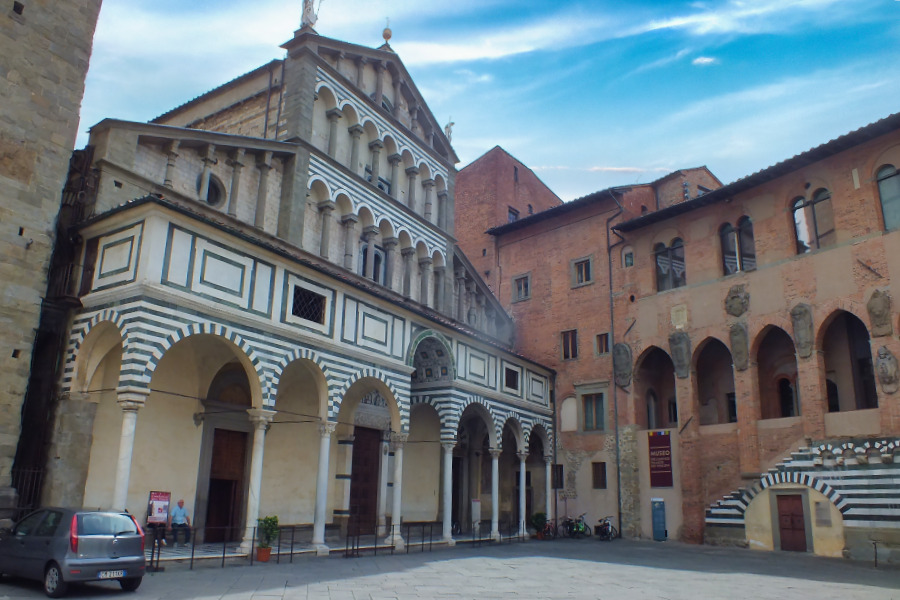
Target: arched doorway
(655,388)
(777,368)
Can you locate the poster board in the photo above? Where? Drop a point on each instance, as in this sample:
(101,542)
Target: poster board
(158,508)
(660,446)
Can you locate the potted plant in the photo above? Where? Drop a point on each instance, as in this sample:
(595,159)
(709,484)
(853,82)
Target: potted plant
(268,531)
(538,521)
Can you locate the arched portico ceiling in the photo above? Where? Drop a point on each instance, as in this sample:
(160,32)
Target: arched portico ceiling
(514,426)
(369,386)
(430,334)
(304,363)
(446,411)
(540,431)
(480,408)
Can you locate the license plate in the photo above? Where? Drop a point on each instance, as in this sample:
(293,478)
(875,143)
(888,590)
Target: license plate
(110,574)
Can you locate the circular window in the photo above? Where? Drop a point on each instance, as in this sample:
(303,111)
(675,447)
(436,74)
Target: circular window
(215,196)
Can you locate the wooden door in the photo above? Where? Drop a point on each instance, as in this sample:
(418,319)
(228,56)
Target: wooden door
(364,480)
(791,524)
(226,486)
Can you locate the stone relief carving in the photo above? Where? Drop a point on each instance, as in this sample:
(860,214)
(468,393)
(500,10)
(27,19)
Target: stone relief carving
(680,346)
(740,346)
(737,301)
(622,364)
(801,318)
(879,307)
(888,373)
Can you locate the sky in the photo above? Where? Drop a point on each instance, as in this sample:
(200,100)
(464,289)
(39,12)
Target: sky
(587,93)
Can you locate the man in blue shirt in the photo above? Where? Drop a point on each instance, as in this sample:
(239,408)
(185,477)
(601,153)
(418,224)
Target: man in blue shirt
(179,519)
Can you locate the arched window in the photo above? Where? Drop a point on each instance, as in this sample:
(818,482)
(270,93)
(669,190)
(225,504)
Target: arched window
(378,268)
(670,267)
(738,248)
(814,221)
(889,191)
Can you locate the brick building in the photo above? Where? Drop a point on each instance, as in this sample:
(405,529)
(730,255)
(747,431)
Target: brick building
(44,51)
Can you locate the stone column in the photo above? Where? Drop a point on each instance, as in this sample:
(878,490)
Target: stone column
(523,456)
(383,484)
(368,236)
(395,159)
(264,165)
(470,300)
(171,155)
(495,493)
(447,492)
(350,239)
(428,184)
(414,119)
(461,295)
(260,418)
(237,164)
(397,91)
(360,71)
(355,132)
(375,146)
(326,207)
(379,83)
(439,272)
(326,428)
(411,174)
(407,254)
(333,115)
(130,402)
(548,486)
(209,159)
(480,302)
(397,442)
(442,197)
(425,283)
(390,258)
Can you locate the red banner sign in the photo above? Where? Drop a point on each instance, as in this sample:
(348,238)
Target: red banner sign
(158,508)
(660,459)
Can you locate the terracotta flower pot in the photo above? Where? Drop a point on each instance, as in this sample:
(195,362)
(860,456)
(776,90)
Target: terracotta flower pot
(263,554)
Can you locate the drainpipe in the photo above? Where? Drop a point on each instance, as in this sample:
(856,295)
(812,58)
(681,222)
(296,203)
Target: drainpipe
(612,342)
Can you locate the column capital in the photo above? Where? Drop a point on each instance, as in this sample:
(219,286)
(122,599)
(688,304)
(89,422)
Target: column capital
(370,231)
(334,114)
(408,251)
(480,299)
(495,452)
(379,66)
(428,184)
(172,147)
(448,446)
(394,159)
(460,273)
(326,205)
(376,145)
(350,219)
(443,194)
(356,130)
(132,396)
(412,171)
(439,268)
(326,428)
(264,162)
(361,60)
(260,417)
(390,243)
(523,456)
(548,460)
(398,440)
(210,155)
(236,158)
(426,261)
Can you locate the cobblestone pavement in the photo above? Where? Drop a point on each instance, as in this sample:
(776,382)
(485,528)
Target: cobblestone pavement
(556,569)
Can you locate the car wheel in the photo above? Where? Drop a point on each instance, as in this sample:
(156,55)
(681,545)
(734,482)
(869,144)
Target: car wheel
(54,585)
(130,584)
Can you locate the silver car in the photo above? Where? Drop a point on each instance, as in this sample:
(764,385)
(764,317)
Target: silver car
(60,546)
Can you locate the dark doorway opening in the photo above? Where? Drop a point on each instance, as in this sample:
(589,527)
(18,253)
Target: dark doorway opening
(226,486)
(364,480)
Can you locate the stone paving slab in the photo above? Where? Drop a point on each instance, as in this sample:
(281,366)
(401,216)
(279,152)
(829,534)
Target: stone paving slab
(560,569)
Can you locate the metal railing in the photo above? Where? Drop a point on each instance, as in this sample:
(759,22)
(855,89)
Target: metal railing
(360,530)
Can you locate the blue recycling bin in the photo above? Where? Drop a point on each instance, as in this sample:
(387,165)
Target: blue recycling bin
(658,516)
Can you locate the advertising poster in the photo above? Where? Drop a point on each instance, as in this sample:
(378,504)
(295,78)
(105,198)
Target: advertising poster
(158,508)
(660,446)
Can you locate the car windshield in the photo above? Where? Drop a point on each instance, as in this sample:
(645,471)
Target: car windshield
(105,524)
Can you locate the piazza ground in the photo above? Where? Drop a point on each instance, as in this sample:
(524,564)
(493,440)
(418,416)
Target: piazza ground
(559,569)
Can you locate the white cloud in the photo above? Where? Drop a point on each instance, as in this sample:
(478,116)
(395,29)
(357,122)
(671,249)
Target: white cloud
(704,61)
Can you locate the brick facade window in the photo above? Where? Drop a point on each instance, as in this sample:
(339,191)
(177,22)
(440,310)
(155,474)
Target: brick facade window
(889,191)
(512,216)
(570,344)
(521,288)
(598,475)
(627,257)
(602,343)
(738,248)
(593,412)
(558,480)
(814,221)
(511,379)
(670,265)
(582,271)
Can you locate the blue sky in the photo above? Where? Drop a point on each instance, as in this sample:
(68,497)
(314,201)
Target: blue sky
(588,93)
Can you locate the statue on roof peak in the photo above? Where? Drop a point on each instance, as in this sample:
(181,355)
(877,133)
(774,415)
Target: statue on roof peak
(310,15)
